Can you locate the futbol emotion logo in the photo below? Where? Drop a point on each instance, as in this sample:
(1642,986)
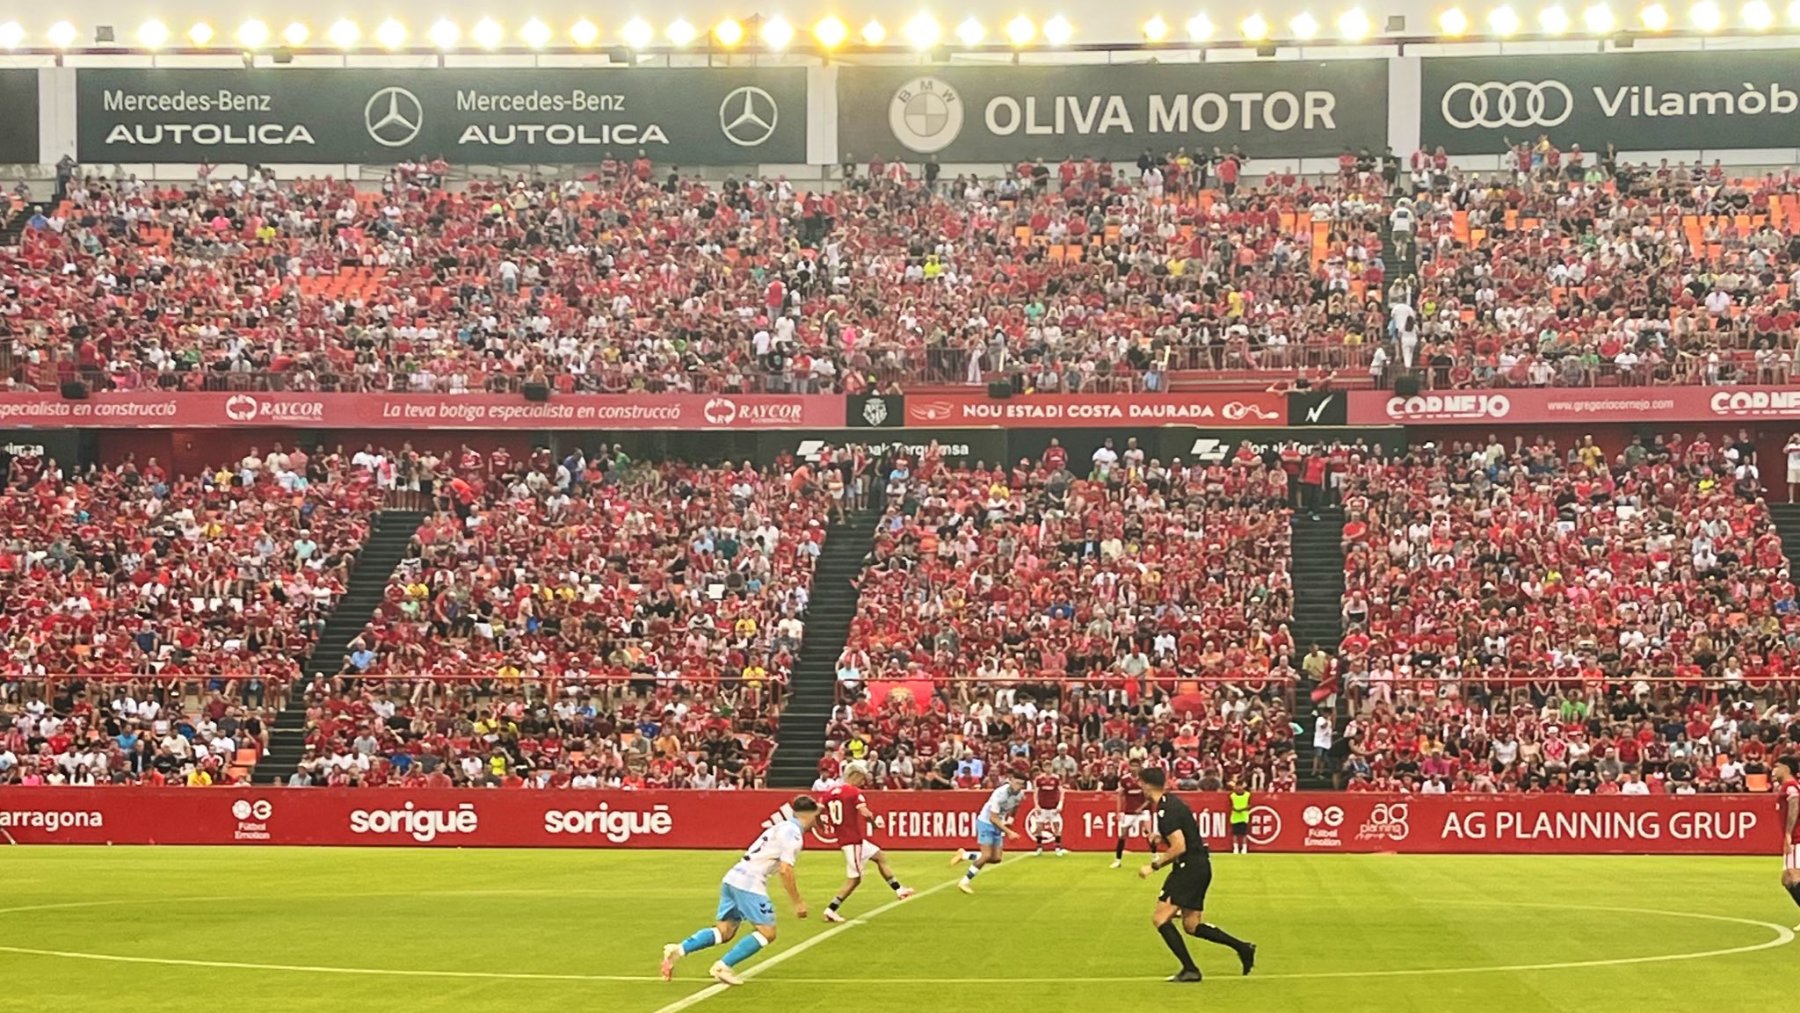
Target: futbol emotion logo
(393,116)
(240,408)
(720,411)
(926,115)
(1518,104)
(1265,825)
(748,116)
(1329,816)
(244,809)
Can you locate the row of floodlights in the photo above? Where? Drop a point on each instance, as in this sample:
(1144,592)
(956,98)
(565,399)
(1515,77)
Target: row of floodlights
(922,31)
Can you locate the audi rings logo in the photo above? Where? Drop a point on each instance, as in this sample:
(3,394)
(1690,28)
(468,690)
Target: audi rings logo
(1496,104)
(393,116)
(1265,825)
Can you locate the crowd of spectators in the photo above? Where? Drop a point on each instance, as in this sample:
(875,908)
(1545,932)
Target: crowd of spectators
(540,734)
(1081,275)
(1102,611)
(1571,270)
(128,569)
(147,730)
(1527,618)
(657,600)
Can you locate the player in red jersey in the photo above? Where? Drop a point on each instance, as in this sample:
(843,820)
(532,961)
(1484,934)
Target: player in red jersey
(1787,794)
(846,815)
(1046,820)
(1134,818)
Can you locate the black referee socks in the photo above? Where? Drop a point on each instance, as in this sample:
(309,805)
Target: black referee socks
(1177,945)
(1214,934)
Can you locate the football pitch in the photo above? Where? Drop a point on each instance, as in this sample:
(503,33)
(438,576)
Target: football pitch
(322,929)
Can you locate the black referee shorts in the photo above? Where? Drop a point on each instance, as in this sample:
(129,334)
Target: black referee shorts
(1187,884)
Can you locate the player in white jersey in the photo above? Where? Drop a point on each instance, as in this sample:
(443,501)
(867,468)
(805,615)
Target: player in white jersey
(744,896)
(993,825)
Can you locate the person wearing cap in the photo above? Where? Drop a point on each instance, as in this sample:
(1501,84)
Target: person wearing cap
(993,825)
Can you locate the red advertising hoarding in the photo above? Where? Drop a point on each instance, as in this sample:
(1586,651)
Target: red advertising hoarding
(1312,821)
(1574,405)
(209,410)
(1097,410)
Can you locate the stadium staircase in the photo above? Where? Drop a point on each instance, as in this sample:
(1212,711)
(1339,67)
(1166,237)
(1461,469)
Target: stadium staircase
(813,684)
(1787,523)
(387,545)
(1318,613)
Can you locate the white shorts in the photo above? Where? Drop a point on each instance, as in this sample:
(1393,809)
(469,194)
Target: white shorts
(1134,823)
(1792,856)
(856,856)
(1044,823)
(1793,475)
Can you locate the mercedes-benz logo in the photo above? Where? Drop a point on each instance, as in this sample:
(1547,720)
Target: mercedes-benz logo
(748,116)
(393,116)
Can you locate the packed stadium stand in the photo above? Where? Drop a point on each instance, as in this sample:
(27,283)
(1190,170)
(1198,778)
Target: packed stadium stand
(1080,276)
(1074,613)
(1534,618)
(1515,615)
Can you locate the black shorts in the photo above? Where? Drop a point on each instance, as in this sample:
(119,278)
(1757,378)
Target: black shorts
(1240,830)
(1187,884)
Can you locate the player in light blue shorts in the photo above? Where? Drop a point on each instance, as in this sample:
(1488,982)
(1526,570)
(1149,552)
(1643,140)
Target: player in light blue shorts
(993,825)
(744,896)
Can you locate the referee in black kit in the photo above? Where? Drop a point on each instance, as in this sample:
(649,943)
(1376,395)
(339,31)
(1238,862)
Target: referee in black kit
(1184,892)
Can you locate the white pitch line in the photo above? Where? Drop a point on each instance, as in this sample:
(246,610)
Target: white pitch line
(805,944)
(232,965)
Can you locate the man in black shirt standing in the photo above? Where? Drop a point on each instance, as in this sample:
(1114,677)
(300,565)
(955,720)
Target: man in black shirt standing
(1184,892)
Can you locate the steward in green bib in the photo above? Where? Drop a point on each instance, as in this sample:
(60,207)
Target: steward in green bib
(1240,819)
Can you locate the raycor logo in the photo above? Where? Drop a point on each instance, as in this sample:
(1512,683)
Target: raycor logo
(926,115)
(245,408)
(422,825)
(393,116)
(932,411)
(748,116)
(1237,411)
(875,411)
(1783,403)
(1449,406)
(1387,821)
(616,825)
(240,408)
(1517,104)
(245,809)
(720,411)
(1328,816)
(1265,825)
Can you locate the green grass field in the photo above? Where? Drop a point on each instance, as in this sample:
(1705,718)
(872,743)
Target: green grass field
(334,930)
